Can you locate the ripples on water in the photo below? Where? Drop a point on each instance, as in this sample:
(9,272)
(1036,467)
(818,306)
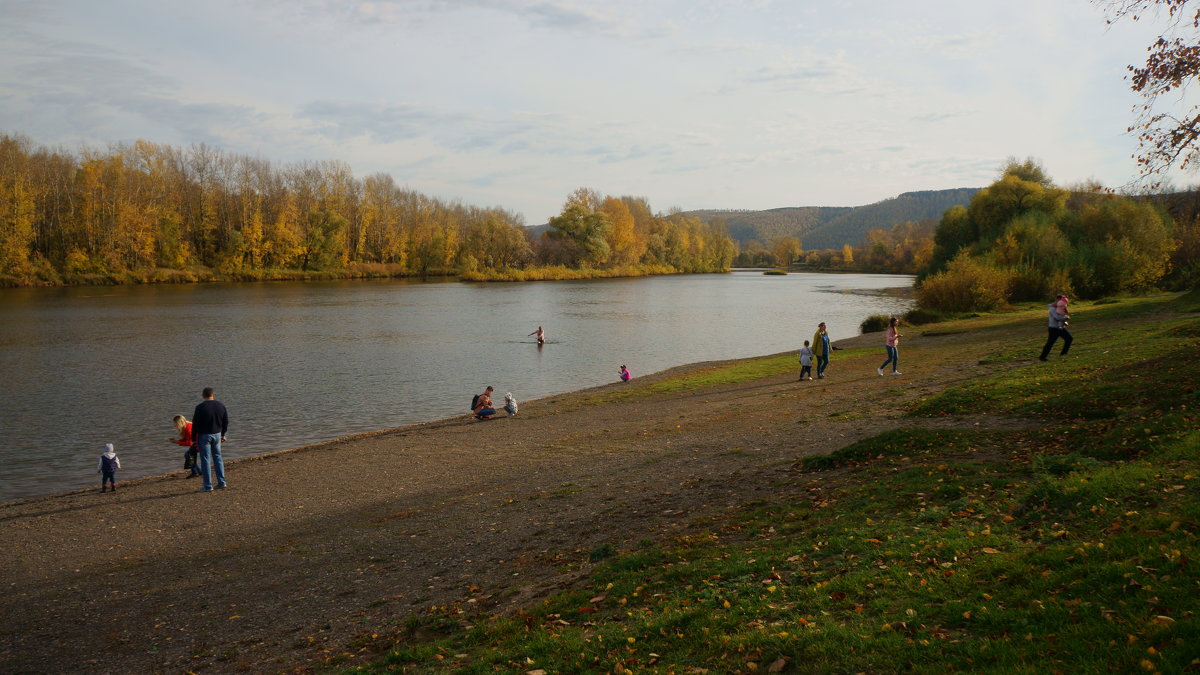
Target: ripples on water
(299,363)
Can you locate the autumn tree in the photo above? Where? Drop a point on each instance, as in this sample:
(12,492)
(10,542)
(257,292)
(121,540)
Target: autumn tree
(585,234)
(496,243)
(624,242)
(17,211)
(1167,131)
(587,198)
(322,246)
(786,249)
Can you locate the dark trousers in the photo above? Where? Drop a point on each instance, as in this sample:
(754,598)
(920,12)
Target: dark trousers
(805,371)
(1056,333)
(822,364)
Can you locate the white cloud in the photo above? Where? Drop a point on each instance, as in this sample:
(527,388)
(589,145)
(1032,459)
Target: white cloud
(717,103)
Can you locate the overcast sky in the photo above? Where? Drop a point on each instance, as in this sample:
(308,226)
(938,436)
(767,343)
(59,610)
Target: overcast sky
(692,103)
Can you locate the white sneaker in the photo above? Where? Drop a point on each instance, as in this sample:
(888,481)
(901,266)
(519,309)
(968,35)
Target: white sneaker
(880,371)
(895,372)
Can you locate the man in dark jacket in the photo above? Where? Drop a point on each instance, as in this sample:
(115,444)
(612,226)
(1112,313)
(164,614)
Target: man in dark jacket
(209,424)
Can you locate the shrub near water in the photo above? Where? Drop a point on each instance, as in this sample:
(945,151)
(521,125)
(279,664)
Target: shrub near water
(968,284)
(875,323)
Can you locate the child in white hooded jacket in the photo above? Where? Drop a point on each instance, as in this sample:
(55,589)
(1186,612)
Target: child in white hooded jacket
(510,404)
(109,463)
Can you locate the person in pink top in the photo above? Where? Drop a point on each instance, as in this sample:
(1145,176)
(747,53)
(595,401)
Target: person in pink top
(623,373)
(1060,306)
(893,347)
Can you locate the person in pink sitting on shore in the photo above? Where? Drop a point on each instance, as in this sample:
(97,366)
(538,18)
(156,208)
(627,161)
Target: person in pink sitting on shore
(624,373)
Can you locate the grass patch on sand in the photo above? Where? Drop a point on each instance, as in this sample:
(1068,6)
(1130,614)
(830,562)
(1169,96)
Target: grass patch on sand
(1071,548)
(903,442)
(734,372)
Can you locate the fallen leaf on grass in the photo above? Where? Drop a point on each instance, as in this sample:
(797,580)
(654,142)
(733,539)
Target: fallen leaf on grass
(777,666)
(1162,621)
(989,549)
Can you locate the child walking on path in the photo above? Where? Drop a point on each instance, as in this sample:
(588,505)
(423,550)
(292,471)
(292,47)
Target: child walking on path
(806,357)
(893,347)
(108,468)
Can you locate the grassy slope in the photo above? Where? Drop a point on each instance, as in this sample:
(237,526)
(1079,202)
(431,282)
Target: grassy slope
(1071,548)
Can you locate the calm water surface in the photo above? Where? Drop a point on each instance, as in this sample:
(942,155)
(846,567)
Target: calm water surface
(298,363)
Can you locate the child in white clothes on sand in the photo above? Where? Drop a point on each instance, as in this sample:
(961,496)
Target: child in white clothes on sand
(108,468)
(510,404)
(806,357)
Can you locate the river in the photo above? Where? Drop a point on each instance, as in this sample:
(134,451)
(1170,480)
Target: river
(299,363)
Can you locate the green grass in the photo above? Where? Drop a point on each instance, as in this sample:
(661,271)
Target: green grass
(1070,548)
(734,372)
(903,442)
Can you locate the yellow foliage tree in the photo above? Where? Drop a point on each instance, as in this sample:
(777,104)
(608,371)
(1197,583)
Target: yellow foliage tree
(17,212)
(626,246)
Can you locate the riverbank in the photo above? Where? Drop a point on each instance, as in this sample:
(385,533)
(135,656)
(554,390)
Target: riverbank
(358,271)
(334,553)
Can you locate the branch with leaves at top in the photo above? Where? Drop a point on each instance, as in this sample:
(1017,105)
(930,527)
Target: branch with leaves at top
(1165,140)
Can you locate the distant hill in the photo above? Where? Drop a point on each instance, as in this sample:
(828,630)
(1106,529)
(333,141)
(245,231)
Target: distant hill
(834,226)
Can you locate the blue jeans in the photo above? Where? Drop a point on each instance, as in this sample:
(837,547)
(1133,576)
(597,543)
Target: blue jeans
(822,363)
(893,358)
(210,444)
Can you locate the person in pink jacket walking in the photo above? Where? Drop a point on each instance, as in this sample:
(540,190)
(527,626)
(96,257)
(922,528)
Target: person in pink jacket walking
(893,347)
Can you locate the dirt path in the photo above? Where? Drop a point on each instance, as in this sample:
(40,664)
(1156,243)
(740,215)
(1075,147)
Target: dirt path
(312,547)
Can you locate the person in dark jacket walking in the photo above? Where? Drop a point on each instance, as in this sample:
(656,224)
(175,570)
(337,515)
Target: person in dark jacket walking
(210,422)
(1057,329)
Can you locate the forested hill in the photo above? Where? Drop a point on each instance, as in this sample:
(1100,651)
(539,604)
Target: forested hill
(834,226)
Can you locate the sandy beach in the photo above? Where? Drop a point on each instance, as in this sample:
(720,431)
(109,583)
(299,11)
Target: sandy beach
(311,547)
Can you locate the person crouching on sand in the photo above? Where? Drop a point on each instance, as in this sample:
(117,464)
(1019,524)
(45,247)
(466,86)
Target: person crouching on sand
(483,405)
(623,373)
(109,463)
